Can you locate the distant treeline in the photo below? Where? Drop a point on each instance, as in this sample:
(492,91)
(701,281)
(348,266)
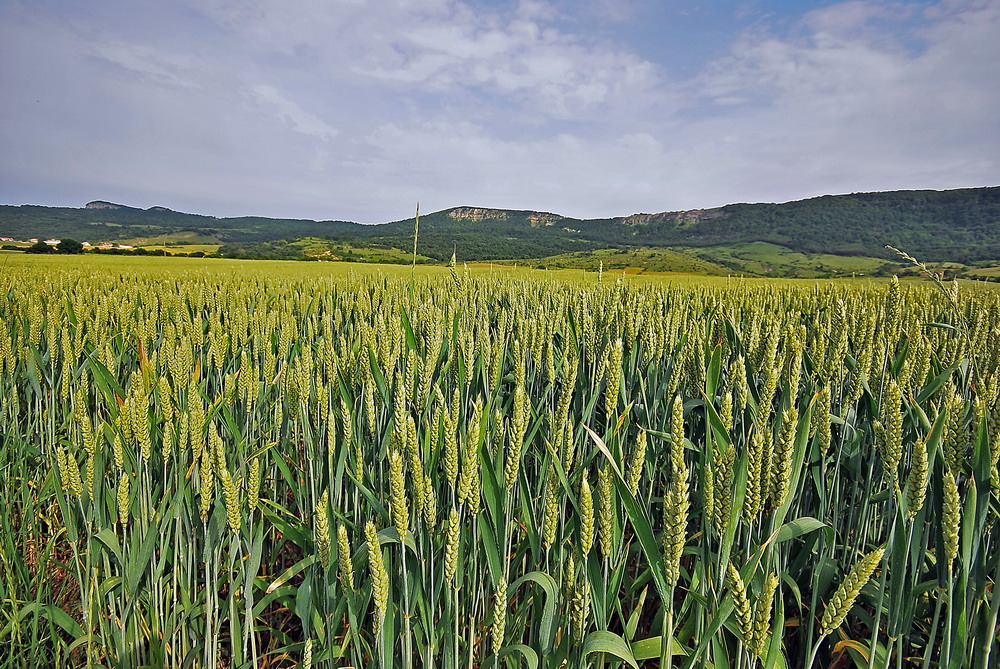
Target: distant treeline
(956,225)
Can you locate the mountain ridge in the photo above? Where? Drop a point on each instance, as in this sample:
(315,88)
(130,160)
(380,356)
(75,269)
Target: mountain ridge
(957,224)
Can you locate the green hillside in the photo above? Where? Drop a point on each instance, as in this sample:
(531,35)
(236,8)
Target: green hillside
(98,225)
(808,237)
(938,225)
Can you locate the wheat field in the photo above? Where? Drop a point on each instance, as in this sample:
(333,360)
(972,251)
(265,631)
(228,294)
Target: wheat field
(222,464)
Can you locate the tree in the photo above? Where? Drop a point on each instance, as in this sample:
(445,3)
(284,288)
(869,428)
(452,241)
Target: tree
(39,247)
(69,246)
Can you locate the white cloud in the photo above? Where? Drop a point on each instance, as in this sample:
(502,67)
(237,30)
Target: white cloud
(845,104)
(149,63)
(290,112)
(836,106)
(448,47)
(520,59)
(349,109)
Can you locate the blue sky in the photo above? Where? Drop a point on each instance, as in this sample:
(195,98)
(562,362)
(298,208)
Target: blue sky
(354,109)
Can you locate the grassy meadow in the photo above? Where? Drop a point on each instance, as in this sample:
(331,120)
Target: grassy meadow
(213,463)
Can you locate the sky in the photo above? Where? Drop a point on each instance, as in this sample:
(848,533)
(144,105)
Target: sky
(358,110)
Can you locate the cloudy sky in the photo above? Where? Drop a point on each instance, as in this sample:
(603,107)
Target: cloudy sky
(355,109)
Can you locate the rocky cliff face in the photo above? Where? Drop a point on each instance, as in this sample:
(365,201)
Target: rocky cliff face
(538,220)
(476,214)
(101,204)
(682,218)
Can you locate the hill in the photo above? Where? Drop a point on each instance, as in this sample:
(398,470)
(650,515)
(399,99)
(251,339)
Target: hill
(955,225)
(105,221)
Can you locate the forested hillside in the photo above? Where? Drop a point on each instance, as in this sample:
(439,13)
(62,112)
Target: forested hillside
(956,225)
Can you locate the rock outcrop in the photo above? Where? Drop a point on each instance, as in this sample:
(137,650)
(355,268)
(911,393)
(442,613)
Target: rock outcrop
(476,214)
(538,220)
(682,218)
